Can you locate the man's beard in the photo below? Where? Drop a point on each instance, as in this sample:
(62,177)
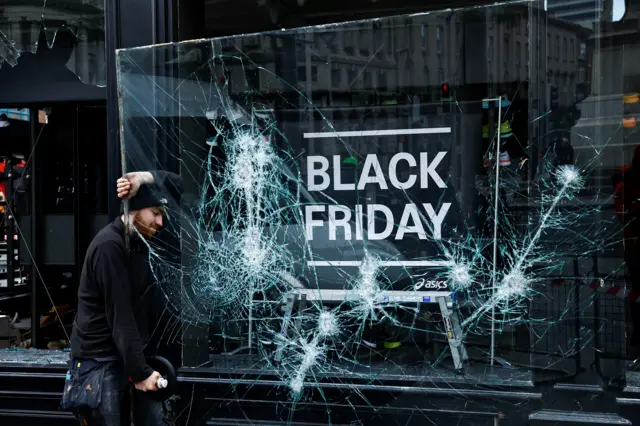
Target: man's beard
(147,232)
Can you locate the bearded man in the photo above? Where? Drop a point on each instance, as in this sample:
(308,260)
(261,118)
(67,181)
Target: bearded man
(112,328)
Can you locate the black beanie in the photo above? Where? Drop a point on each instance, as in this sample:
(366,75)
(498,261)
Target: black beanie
(148,196)
(164,191)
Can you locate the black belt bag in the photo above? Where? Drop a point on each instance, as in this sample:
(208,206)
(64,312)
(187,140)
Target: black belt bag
(83,385)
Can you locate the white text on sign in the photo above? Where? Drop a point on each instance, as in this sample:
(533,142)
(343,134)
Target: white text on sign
(352,224)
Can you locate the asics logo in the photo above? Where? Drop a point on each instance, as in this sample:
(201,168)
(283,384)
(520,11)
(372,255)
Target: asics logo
(430,285)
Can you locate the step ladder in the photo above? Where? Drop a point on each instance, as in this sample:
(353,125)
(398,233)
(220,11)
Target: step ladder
(298,299)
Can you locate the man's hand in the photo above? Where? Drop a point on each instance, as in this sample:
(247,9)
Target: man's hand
(129,184)
(149,384)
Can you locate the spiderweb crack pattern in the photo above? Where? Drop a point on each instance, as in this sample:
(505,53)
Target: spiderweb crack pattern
(257,243)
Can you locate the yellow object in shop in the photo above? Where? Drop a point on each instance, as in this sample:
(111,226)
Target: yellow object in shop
(631,98)
(505,130)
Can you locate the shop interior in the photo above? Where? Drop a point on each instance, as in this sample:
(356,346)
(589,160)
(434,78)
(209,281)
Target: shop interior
(65,143)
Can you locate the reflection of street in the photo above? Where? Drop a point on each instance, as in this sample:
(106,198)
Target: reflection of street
(627,203)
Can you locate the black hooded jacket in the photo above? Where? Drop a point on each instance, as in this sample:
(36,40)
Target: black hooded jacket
(116,297)
(111,317)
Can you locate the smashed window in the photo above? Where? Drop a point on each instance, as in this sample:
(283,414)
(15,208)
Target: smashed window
(75,29)
(348,222)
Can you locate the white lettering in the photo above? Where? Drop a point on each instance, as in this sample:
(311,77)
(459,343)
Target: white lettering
(309,221)
(318,167)
(371,162)
(337,184)
(341,217)
(437,219)
(411,211)
(429,169)
(359,222)
(312,172)
(393,173)
(371,225)
(430,285)
(343,222)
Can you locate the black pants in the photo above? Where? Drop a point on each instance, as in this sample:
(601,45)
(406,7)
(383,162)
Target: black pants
(114,409)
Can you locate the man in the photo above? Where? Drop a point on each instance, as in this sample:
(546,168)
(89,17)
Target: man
(111,327)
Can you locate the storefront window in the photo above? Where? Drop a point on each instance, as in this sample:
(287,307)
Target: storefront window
(350,219)
(76,28)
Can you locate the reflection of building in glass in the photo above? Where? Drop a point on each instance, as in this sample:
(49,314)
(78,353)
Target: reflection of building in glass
(609,110)
(20,25)
(509,53)
(384,74)
(395,56)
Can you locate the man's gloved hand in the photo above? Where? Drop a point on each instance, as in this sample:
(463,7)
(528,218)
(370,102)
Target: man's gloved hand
(129,184)
(149,384)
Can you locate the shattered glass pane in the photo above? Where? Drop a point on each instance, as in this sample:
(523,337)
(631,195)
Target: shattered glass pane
(76,25)
(433,200)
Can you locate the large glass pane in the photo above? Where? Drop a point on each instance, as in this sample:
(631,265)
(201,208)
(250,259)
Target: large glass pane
(443,200)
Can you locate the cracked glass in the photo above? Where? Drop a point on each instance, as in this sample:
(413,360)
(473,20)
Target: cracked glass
(74,25)
(434,203)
